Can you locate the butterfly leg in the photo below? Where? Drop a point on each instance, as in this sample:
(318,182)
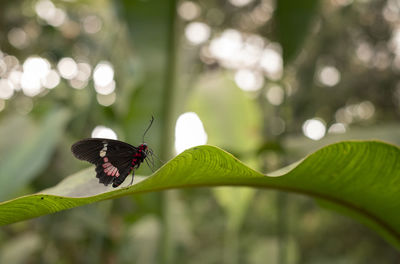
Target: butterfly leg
(154,155)
(152,162)
(133,176)
(148,165)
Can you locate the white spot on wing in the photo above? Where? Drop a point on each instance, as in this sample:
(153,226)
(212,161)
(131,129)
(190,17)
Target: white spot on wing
(103,151)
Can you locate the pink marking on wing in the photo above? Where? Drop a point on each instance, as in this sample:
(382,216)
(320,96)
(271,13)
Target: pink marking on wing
(106,165)
(114,173)
(105,159)
(117,174)
(110,168)
(110,172)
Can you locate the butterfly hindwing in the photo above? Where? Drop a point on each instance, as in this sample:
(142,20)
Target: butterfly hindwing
(111,157)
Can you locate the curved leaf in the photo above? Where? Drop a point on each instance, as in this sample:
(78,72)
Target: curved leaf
(361,179)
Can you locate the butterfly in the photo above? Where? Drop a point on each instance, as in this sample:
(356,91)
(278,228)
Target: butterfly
(114,159)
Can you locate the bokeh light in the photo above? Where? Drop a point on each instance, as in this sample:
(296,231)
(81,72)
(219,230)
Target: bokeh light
(103,132)
(364,52)
(11,62)
(52,15)
(106,100)
(35,70)
(236,50)
(189,132)
(45,9)
(342,2)
(81,79)
(262,13)
(395,41)
(240,3)
(18,38)
(58,19)
(275,95)
(67,68)
(355,112)
(92,24)
(51,80)
(337,128)
(6,89)
(103,74)
(391,11)
(36,66)
(365,110)
(248,80)
(227,46)
(197,32)
(329,76)
(272,63)
(84,71)
(105,90)
(3,67)
(189,10)
(15,77)
(314,129)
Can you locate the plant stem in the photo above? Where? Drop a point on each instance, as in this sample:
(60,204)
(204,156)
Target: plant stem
(282,225)
(168,112)
(270,112)
(231,245)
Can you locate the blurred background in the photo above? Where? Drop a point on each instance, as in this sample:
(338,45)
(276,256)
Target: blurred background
(269,81)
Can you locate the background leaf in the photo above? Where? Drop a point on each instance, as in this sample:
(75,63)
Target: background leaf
(30,147)
(361,179)
(293,19)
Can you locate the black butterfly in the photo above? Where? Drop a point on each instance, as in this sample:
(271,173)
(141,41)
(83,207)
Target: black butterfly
(114,159)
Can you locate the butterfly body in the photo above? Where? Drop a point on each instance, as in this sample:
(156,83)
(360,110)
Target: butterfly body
(114,159)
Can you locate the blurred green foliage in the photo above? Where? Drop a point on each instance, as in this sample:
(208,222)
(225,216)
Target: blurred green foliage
(341,65)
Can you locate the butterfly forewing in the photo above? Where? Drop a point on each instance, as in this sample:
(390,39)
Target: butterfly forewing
(89,149)
(111,157)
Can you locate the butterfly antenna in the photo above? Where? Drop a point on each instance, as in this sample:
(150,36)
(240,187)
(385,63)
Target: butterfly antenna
(147,129)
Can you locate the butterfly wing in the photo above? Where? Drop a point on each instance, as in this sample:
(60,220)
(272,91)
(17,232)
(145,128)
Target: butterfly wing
(111,157)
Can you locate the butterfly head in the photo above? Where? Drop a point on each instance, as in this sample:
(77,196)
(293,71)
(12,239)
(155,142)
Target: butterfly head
(143,147)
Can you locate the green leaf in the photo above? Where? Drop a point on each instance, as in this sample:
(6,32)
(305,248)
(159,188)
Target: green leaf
(205,101)
(293,19)
(27,149)
(361,179)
